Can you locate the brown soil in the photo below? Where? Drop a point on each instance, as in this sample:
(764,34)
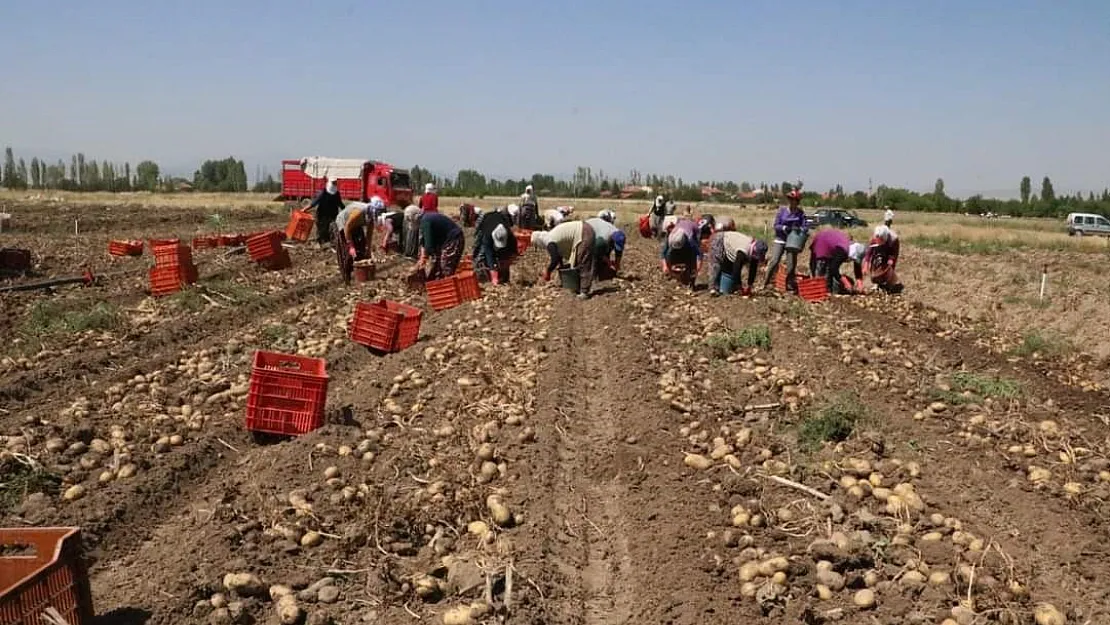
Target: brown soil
(578,417)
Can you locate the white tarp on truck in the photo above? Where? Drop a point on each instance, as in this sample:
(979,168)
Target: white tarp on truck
(321,167)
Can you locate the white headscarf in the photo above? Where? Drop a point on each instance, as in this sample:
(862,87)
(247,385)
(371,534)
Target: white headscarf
(856,251)
(659,200)
(429,188)
(412,212)
(528,189)
(677,239)
(500,236)
(608,215)
(888,215)
(332,187)
(884,233)
(512,209)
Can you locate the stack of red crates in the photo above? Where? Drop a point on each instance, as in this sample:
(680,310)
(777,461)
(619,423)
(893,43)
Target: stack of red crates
(47,570)
(385,326)
(173,267)
(125,248)
(287,394)
(265,249)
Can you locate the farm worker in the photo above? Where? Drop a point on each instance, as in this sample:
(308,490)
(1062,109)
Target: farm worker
(411,231)
(327,205)
(530,210)
(608,242)
(494,245)
(466,215)
(789,219)
(856,252)
(429,202)
(828,251)
(706,226)
(571,243)
(881,259)
(658,211)
(680,247)
(729,253)
(888,217)
(608,215)
(442,242)
(351,240)
(392,223)
(553,217)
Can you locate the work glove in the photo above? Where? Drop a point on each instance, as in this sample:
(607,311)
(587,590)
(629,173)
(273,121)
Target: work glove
(352,252)
(546,276)
(666,267)
(746,291)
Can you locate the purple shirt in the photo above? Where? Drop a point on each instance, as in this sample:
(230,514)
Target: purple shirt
(828,241)
(787,220)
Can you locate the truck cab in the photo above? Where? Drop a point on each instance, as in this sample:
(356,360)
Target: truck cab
(393,185)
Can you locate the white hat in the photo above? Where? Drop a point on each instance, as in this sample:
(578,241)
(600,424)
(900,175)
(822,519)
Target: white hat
(500,236)
(856,251)
(528,189)
(659,199)
(332,187)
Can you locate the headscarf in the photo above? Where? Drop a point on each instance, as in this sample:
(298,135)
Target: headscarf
(500,237)
(885,234)
(888,215)
(477,211)
(429,188)
(726,224)
(332,186)
(608,215)
(528,189)
(677,239)
(856,252)
(659,200)
(539,238)
(376,204)
(758,251)
(618,240)
(412,212)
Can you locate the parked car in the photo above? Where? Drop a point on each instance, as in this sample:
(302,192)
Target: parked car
(1080,224)
(835,217)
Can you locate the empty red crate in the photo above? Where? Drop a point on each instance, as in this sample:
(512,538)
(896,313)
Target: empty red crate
(465,264)
(386,326)
(156,242)
(287,394)
(300,226)
(172,255)
(264,245)
(468,287)
(125,248)
(442,294)
(208,242)
(780,278)
(47,570)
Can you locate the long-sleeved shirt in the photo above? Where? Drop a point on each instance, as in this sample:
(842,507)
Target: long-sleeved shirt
(787,220)
(886,251)
(737,247)
(327,203)
(827,242)
(603,235)
(436,229)
(691,230)
(483,233)
(566,237)
(528,199)
(354,216)
(429,203)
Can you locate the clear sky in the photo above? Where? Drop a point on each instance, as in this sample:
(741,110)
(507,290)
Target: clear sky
(979,92)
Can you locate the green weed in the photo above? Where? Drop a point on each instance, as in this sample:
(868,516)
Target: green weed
(275,333)
(188,300)
(49,318)
(833,422)
(1046,344)
(22,477)
(727,342)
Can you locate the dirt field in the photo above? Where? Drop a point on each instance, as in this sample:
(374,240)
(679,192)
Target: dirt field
(645,456)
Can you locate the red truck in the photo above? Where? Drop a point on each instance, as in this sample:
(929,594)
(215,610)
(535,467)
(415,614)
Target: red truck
(357,179)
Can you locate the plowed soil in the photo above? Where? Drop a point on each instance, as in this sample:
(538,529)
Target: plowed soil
(645,456)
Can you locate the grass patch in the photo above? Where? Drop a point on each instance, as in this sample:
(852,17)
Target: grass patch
(188,300)
(727,342)
(49,318)
(275,333)
(986,386)
(19,478)
(831,423)
(1045,344)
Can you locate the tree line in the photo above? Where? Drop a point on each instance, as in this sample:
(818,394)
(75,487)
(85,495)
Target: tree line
(229,175)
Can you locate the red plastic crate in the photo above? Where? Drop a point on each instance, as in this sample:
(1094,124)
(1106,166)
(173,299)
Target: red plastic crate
(386,326)
(169,280)
(300,226)
(523,241)
(125,248)
(443,294)
(156,242)
(174,255)
(206,242)
(51,574)
(287,394)
(780,278)
(468,287)
(277,262)
(264,245)
(813,289)
(466,264)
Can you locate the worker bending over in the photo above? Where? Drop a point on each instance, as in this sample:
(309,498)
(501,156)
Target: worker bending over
(349,235)
(681,248)
(729,253)
(572,244)
(494,245)
(442,244)
(830,249)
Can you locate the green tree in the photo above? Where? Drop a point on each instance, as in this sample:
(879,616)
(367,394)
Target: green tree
(82,172)
(127,175)
(1026,189)
(9,168)
(147,174)
(938,189)
(36,176)
(1048,194)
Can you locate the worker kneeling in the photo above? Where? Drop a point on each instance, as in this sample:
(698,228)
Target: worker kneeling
(729,253)
(442,245)
(349,234)
(882,259)
(571,245)
(682,251)
(494,245)
(827,252)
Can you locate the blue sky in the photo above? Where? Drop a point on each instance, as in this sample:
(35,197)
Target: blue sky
(976,92)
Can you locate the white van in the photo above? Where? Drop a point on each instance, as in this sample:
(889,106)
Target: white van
(1080,224)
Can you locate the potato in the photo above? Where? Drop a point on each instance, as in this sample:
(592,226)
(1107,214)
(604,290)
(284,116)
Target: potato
(499,511)
(485,452)
(864,599)
(749,571)
(1047,614)
(697,462)
(769,567)
(311,539)
(477,528)
(244,584)
(73,493)
(289,613)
